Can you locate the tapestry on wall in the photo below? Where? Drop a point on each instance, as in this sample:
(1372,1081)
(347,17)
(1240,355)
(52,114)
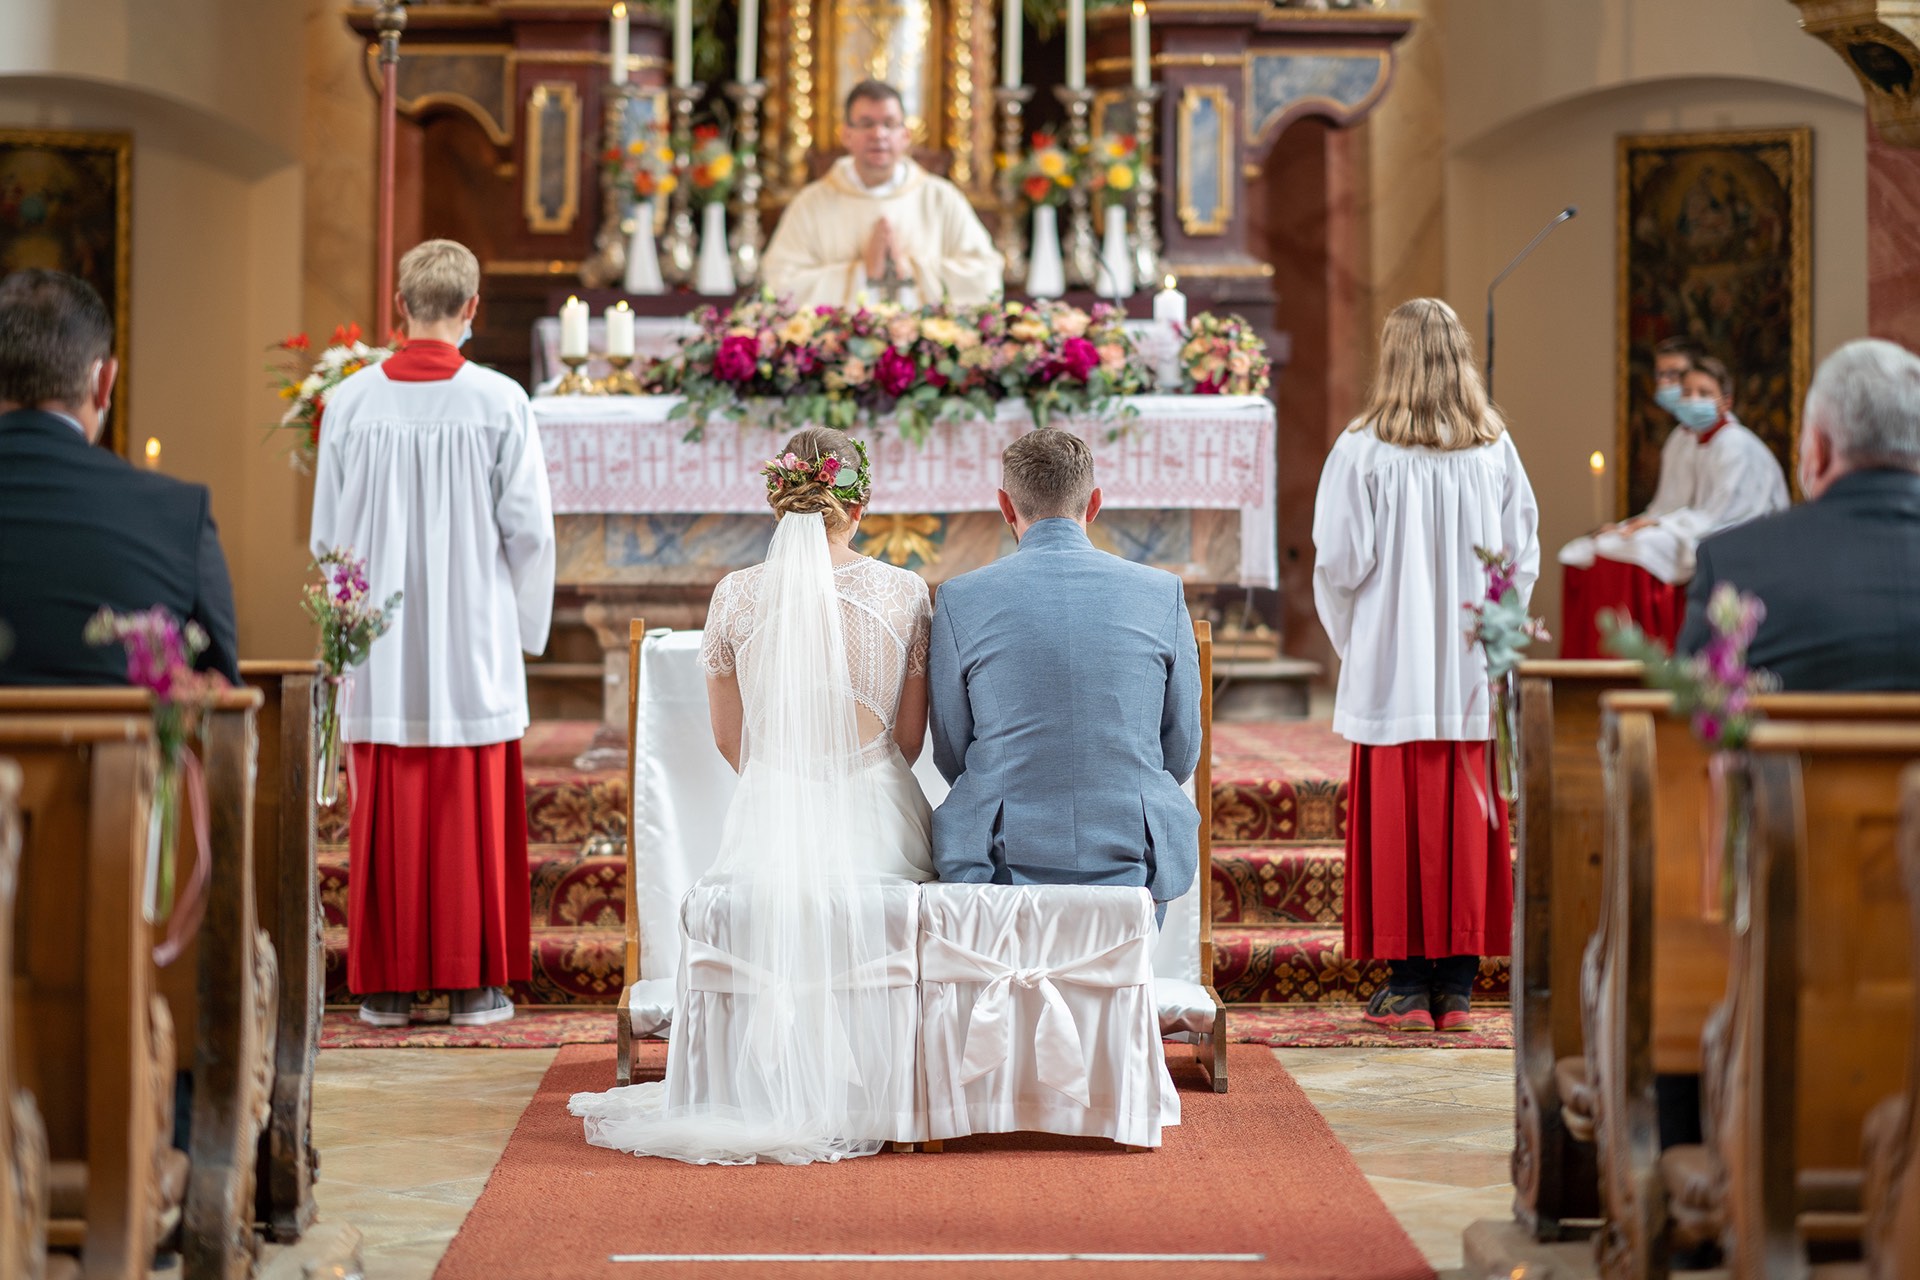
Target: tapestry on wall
(66,205)
(1715,230)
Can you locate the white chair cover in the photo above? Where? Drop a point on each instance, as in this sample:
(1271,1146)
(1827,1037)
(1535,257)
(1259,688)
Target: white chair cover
(1038,1012)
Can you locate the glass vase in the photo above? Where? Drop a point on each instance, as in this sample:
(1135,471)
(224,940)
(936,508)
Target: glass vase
(329,710)
(1505,762)
(163,838)
(1729,810)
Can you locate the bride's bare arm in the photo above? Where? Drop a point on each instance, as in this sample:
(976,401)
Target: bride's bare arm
(723,708)
(910,726)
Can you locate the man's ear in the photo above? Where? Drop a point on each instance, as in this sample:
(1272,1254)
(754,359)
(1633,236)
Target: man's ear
(472,309)
(103,384)
(1093,505)
(400,309)
(1006,508)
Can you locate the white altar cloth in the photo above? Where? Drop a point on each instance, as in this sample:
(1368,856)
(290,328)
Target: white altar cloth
(623,454)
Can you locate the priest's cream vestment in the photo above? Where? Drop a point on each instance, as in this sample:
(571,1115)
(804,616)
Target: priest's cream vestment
(816,256)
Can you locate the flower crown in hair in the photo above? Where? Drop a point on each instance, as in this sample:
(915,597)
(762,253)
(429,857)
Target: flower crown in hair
(849,484)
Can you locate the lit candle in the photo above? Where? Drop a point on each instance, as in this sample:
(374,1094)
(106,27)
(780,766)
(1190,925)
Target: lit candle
(1076,44)
(1602,509)
(1142,74)
(153,453)
(1011,33)
(682,43)
(749,63)
(1170,305)
(573,330)
(619,57)
(620,330)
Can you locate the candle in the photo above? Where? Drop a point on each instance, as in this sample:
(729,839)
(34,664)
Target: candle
(1602,509)
(1011,32)
(1142,73)
(749,63)
(153,453)
(619,32)
(1076,44)
(682,43)
(620,330)
(1170,305)
(573,330)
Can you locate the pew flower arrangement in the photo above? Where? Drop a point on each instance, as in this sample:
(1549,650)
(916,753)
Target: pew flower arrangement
(305,383)
(1222,355)
(160,655)
(349,623)
(1502,627)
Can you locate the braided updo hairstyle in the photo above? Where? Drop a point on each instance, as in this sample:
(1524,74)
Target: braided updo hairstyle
(813,444)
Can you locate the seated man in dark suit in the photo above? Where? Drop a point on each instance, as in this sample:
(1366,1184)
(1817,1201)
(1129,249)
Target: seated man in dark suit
(80,527)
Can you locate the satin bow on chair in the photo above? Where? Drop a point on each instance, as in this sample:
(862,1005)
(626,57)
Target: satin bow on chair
(1059,1058)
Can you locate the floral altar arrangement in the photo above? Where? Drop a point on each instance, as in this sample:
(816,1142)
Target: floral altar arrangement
(349,624)
(160,654)
(644,167)
(1503,629)
(837,367)
(1047,173)
(1222,355)
(1114,169)
(710,166)
(308,384)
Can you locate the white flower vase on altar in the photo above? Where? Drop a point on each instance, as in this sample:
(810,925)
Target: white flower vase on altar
(713,270)
(643,257)
(1046,275)
(1115,272)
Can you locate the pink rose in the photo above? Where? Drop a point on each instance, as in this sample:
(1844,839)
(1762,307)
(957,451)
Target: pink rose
(830,469)
(738,357)
(894,372)
(1079,357)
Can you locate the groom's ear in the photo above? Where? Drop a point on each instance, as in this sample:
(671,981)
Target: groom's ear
(1093,505)
(1006,508)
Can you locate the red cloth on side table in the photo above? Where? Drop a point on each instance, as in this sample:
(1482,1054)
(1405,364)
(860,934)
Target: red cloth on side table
(1429,872)
(1658,607)
(439,897)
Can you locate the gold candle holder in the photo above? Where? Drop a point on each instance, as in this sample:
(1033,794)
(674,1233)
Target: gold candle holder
(621,381)
(576,383)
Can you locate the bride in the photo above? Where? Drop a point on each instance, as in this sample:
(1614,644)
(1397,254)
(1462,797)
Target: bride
(816,667)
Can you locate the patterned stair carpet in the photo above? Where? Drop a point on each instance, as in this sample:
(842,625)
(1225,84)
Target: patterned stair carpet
(1280,812)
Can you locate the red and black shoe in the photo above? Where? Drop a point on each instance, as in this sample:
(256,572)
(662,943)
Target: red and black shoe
(1451,1011)
(1410,1012)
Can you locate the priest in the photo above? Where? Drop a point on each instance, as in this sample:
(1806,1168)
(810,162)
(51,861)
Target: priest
(880,227)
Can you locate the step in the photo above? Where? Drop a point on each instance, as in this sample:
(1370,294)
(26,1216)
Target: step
(570,967)
(1265,688)
(1278,885)
(570,891)
(1309,965)
(1279,782)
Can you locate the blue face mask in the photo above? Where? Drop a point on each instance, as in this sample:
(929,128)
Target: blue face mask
(1697,414)
(1668,397)
(466,336)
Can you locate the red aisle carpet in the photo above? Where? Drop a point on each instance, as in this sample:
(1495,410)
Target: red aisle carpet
(1254,1171)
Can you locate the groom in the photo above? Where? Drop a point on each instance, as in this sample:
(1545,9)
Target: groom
(1065,687)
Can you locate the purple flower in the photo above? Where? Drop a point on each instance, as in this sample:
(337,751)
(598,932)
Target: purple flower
(1079,357)
(894,372)
(1707,727)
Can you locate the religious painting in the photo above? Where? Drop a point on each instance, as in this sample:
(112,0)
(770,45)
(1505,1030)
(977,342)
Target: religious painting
(66,205)
(1714,235)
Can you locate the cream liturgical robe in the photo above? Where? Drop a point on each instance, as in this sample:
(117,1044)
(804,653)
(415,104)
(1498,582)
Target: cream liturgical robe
(1707,483)
(817,254)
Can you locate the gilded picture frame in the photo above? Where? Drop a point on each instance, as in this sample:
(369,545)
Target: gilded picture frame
(1715,238)
(66,204)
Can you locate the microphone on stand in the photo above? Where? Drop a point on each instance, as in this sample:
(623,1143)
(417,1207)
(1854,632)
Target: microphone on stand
(1518,258)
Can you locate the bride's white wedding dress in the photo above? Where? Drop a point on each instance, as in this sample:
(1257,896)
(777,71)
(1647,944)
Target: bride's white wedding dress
(790,926)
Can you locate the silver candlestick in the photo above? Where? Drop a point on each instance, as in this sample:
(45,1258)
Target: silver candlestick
(1148,267)
(1082,259)
(1011,239)
(747,237)
(676,246)
(608,265)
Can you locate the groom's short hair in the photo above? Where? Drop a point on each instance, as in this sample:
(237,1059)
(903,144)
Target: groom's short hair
(1048,473)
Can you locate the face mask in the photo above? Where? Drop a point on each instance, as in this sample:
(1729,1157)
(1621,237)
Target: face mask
(1668,397)
(1697,414)
(466,336)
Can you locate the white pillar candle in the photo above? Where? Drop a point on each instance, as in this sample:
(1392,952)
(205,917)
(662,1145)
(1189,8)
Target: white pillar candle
(682,43)
(1011,33)
(1170,305)
(1142,71)
(573,330)
(620,330)
(618,58)
(1076,44)
(747,70)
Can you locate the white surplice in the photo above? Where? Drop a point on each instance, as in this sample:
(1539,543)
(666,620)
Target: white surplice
(442,487)
(1704,488)
(1394,532)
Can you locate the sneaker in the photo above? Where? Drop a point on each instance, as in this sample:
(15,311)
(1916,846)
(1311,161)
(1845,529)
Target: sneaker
(1450,1011)
(1399,1012)
(387,1009)
(479,1007)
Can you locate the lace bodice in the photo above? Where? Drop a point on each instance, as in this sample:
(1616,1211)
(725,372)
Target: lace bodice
(885,615)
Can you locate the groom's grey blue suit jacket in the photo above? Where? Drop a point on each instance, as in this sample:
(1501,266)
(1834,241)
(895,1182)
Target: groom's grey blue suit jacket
(1065,687)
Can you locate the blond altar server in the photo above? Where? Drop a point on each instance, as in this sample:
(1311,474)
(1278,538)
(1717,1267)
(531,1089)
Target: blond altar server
(880,226)
(431,468)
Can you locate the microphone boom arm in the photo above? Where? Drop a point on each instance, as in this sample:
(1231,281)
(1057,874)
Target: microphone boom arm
(1518,258)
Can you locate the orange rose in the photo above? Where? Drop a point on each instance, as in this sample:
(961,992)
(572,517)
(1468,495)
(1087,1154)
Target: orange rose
(1037,187)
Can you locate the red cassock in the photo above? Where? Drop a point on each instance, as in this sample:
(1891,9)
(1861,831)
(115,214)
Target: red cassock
(1657,607)
(1429,868)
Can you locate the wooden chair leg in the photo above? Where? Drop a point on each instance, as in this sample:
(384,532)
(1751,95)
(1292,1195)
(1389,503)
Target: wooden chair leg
(905,1148)
(933,1146)
(1133,1150)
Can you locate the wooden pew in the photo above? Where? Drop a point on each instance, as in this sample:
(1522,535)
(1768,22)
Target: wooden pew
(1559,823)
(1891,1141)
(1819,1014)
(287,900)
(1657,964)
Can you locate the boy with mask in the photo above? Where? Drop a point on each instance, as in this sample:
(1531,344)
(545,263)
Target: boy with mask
(1714,473)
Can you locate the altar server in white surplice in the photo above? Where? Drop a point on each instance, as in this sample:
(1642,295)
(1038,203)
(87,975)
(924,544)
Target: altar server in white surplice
(431,469)
(877,215)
